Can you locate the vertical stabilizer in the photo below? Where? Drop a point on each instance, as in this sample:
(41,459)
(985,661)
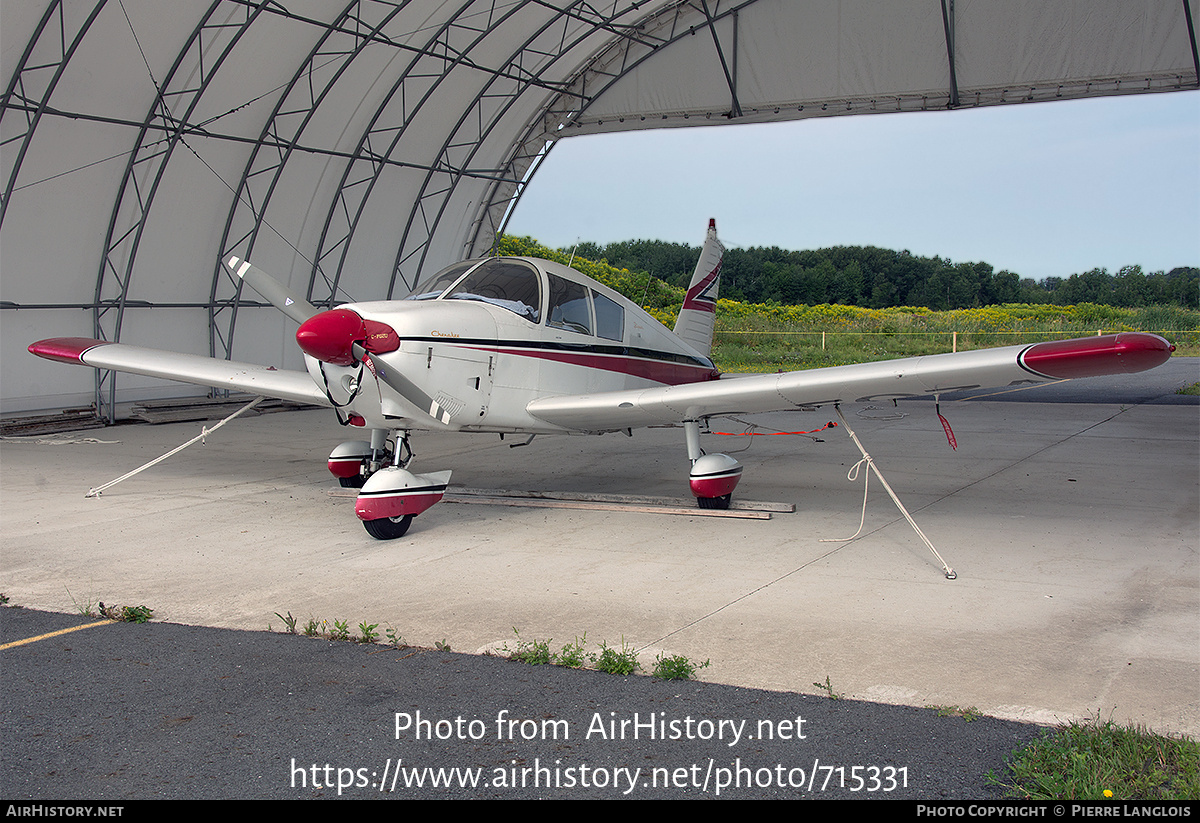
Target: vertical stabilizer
(696,318)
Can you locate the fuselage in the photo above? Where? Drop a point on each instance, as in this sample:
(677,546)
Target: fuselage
(470,350)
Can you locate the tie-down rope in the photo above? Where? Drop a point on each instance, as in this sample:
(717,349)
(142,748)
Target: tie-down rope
(853,475)
(204,432)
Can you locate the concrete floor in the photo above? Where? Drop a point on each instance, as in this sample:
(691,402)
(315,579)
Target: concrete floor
(1073,527)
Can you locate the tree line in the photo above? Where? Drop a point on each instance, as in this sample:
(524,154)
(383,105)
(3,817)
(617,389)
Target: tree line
(881,278)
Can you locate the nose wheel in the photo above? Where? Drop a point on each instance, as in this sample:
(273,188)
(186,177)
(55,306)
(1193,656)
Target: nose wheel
(388,528)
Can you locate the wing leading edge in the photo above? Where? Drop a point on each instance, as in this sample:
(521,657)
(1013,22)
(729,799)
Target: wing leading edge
(185,368)
(885,380)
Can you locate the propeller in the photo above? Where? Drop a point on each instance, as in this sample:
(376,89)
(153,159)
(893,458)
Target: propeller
(342,337)
(274,292)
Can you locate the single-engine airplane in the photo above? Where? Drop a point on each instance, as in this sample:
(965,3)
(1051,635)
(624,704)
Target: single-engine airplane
(522,346)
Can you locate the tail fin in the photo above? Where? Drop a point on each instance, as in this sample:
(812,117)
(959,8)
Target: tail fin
(696,318)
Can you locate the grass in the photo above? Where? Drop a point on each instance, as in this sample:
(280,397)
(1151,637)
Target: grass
(768,338)
(1193,389)
(1101,760)
(611,660)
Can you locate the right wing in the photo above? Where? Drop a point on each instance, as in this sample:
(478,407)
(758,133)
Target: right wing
(926,376)
(187,368)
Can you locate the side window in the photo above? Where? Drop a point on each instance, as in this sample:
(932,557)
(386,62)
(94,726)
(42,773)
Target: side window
(568,307)
(610,318)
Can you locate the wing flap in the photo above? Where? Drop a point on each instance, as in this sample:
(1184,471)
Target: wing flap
(185,368)
(885,380)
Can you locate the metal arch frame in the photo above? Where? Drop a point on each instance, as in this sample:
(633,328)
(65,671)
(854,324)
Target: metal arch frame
(525,154)
(948,27)
(364,152)
(455,170)
(435,48)
(545,130)
(285,109)
(38,104)
(362,185)
(156,156)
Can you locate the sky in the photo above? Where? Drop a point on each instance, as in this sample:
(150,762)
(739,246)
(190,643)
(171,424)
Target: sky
(1042,189)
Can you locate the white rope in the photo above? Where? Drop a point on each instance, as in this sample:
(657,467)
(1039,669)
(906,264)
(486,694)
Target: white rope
(42,441)
(852,475)
(866,458)
(204,432)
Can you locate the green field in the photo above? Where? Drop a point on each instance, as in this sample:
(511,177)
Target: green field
(767,338)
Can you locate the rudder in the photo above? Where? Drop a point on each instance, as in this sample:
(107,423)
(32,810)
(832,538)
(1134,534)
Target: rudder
(698,315)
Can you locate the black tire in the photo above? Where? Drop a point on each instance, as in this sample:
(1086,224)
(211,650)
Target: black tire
(355,482)
(714,502)
(388,528)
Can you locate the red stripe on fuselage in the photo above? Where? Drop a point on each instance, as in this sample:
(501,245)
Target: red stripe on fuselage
(660,371)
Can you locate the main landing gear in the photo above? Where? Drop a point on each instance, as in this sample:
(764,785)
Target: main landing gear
(390,496)
(714,476)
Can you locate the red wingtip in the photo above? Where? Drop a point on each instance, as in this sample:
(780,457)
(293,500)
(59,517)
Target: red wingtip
(1124,353)
(65,349)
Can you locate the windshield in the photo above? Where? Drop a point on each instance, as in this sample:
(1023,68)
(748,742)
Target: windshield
(441,281)
(508,284)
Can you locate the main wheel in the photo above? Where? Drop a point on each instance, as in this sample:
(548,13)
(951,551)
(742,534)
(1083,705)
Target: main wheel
(388,528)
(721,502)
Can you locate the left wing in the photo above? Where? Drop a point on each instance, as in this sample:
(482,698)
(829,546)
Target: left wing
(884,380)
(187,368)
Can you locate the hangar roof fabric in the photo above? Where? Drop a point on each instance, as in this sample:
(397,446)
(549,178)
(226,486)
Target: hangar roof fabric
(351,148)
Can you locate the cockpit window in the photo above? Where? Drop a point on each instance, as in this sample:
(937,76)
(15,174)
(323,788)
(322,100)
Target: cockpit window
(509,284)
(568,308)
(441,281)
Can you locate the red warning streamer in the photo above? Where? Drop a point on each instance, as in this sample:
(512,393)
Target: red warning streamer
(829,425)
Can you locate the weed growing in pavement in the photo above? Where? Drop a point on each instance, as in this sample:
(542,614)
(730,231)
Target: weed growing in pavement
(676,667)
(532,652)
(968,714)
(611,661)
(827,687)
(126,614)
(572,655)
(289,622)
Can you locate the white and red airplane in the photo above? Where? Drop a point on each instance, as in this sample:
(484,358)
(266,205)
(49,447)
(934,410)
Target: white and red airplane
(524,346)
